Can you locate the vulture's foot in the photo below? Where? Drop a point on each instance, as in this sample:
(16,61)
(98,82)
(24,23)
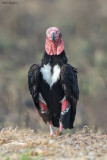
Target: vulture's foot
(58,133)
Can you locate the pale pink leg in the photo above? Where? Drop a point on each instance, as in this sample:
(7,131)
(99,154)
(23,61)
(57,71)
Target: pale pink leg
(51,129)
(60,127)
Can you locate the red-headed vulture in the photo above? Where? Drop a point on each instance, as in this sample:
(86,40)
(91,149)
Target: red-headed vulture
(53,84)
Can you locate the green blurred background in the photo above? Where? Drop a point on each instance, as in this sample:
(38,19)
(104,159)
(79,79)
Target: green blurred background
(83,24)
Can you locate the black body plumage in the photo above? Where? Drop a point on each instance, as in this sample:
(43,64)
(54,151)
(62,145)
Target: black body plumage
(66,85)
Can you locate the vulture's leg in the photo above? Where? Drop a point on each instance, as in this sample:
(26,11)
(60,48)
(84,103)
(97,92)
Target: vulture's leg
(44,111)
(64,111)
(51,129)
(60,127)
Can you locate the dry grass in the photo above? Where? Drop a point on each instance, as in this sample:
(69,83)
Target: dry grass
(16,144)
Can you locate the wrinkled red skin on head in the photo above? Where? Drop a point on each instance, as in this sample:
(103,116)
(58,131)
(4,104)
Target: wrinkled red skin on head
(56,31)
(54,47)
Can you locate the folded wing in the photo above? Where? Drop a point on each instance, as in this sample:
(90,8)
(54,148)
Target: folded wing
(70,86)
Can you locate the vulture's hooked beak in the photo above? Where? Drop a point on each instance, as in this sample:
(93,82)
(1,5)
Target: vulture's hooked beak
(53,36)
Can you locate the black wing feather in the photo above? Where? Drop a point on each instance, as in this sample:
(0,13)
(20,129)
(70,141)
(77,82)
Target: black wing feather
(70,86)
(34,86)
(33,82)
(70,82)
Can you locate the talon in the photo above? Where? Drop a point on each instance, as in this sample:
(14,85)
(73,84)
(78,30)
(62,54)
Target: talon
(52,133)
(58,133)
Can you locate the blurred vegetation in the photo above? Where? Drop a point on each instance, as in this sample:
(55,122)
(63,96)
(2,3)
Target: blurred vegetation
(22,37)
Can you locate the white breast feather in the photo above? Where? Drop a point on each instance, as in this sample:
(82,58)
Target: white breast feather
(56,74)
(48,76)
(46,72)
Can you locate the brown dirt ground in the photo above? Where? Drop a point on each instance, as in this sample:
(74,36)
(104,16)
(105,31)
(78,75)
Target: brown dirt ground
(16,144)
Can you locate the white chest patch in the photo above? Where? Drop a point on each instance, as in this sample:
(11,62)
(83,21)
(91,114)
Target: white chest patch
(48,76)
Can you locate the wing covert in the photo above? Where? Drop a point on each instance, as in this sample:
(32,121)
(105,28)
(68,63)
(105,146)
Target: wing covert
(70,82)
(33,81)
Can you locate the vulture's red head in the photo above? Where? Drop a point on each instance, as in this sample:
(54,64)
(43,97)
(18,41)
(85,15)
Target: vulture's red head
(54,44)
